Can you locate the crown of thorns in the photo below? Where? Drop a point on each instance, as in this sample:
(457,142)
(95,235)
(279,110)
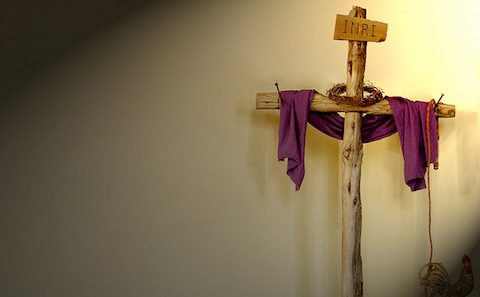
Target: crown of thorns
(371,95)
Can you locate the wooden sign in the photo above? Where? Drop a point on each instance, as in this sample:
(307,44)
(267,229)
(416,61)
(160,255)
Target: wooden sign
(359,29)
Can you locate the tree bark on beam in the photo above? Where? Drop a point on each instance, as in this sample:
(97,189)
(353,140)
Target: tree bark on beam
(322,103)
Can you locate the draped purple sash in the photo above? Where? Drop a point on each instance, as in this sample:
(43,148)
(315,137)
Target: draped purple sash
(409,119)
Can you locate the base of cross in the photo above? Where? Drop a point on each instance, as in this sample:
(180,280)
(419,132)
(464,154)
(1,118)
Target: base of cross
(358,30)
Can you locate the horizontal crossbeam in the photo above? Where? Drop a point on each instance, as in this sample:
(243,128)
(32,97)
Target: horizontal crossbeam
(323,104)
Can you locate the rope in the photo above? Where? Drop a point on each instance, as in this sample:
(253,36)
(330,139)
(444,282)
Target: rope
(430,264)
(429,106)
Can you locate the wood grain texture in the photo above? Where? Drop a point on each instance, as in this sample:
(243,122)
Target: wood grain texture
(352,154)
(352,28)
(322,103)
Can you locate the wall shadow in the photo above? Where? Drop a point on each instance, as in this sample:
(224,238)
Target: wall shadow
(35,34)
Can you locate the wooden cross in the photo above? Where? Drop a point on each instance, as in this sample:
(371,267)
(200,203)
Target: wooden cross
(358,31)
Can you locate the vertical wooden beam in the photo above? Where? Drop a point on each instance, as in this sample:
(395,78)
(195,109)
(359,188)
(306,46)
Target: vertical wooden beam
(352,153)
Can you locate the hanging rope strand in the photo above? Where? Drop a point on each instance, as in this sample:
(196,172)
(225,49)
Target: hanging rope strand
(429,152)
(430,266)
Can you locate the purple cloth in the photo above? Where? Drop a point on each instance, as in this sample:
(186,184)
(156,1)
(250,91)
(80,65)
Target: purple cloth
(408,117)
(411,121)
(293,126)
(374,127)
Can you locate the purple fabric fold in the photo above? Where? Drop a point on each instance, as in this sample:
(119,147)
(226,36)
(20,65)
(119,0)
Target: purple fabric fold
(374,127)
(293,126)
(409,118)
(411,121)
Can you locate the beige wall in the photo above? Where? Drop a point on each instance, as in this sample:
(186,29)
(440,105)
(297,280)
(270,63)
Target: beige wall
(137,165)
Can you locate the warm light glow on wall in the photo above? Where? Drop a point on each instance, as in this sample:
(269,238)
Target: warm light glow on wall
(432,47)
(138,164)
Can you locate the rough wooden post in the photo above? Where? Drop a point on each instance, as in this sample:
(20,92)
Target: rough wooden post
(352,153)
(359,31)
